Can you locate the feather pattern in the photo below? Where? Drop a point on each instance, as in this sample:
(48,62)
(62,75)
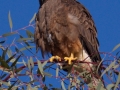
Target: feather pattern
(62,25)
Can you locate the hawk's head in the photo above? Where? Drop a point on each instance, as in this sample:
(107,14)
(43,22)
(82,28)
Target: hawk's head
(41,2)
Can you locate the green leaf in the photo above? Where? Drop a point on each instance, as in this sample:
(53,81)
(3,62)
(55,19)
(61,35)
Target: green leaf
(28,64)
(5,83)
(24,39)
(16,49)
(63,86)
(14,63)
(10,88)
(108,68)
(27,47)
(43,79)
(15,88)
(24,63)
(30,34)
(116,66)
(78,81)
(33,18)
(18,70)
(31,79)
(35,88)
(29,87)
(118,81)
(24,42)
(99,86)
(57,71)
(7,61)
(4,53)
(40,67)
(10,20)
(31,62)
(8,34)
(47,74)
(69,86)
(116,47)
(110,86)
(9,53)
(3,63)
(44,63)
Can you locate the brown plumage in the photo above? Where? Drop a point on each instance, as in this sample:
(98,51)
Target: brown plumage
(64,27)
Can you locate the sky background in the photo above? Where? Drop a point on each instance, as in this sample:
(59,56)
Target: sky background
(105,13)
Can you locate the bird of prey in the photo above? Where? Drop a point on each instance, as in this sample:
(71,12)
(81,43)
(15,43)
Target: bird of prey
(66,29)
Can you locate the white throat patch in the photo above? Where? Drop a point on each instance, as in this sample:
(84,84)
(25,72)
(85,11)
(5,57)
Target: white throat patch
(85,57)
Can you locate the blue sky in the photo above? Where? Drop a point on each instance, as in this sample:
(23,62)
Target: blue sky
(106,15)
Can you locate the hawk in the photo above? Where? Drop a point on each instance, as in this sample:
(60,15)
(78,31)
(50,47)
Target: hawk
(66,29)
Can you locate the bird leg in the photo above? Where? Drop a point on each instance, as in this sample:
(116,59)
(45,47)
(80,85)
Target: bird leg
(70,59)
(55,58)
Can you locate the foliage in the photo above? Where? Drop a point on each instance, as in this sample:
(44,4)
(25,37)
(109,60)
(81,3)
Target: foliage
(22,69)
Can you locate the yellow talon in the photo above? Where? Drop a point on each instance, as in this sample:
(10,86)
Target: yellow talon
(70,59)
(55,57)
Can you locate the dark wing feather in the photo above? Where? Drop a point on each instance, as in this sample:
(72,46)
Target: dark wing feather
(86,28)
(42,24)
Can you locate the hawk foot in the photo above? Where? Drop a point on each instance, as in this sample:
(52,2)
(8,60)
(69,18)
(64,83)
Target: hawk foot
(70,59)
(54,58)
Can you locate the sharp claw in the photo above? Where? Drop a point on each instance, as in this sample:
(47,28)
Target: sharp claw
(54,57)
(58,58)
(70,59)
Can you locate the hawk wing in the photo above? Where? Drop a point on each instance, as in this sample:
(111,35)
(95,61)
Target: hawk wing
(86,27)
(41,36)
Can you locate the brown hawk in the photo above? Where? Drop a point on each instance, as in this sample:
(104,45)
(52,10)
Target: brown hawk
(65,28)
